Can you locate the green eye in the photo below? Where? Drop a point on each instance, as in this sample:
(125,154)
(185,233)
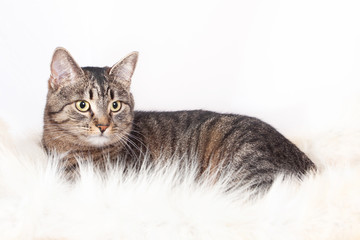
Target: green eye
(82,106)
(115,106)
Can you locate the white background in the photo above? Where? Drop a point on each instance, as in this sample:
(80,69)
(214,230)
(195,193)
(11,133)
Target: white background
(294,64)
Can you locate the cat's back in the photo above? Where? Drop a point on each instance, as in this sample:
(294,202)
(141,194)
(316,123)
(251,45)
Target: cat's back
(245,142)
(191,125)
(203,123)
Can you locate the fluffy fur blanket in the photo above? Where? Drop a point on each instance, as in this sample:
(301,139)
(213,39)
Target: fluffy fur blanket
(164,203)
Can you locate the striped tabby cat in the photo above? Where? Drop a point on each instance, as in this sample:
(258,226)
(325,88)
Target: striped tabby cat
(90,112)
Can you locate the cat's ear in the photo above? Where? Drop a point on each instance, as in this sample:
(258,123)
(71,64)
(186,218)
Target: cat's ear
(64,69)
(123,70)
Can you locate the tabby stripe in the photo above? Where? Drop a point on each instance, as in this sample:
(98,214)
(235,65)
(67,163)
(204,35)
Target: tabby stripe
(61,122)
(64,129)
(190,136)
(111,94)
(197,140)
(232,130)
(174,131)
(61,109)
(209,128)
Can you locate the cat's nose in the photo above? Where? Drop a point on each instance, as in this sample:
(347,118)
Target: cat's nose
(102,127)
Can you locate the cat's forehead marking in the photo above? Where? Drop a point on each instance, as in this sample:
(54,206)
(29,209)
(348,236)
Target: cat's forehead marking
(98,79)
(91,94)
(101,88)
(111,92)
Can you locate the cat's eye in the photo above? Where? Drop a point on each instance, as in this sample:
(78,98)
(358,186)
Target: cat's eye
(115,106)
(82,106)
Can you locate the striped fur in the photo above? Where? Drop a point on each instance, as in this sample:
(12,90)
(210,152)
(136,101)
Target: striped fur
(252,149)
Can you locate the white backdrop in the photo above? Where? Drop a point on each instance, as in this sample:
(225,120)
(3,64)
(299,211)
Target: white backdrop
(295,64)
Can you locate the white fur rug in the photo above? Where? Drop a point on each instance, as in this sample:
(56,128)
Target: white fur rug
(36,203)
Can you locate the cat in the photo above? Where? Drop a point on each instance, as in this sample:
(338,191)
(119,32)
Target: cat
(90,112)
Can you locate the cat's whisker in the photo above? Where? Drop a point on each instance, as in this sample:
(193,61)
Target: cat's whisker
(126,146)
(130,136)
(134,130)
(135,146)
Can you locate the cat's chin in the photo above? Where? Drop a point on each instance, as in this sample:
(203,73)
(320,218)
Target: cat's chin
(98,141)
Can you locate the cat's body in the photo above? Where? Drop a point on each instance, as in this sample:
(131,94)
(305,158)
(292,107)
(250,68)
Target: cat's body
(90,112)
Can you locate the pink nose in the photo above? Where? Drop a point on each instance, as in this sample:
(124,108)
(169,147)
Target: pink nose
(102,127)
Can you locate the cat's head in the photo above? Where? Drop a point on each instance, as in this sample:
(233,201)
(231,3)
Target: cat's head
(89,106)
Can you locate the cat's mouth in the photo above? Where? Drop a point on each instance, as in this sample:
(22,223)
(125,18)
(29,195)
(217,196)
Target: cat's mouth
(98,141)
